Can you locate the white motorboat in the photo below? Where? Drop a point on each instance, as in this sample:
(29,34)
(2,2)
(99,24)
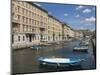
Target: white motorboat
(59,62)
(85,43)
(81,48)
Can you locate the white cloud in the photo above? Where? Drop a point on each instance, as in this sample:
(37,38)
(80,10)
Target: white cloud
(86,10)
(37,4)
(81,21)
(65,14)
(50,13)
(91,19)
(77,16)
(79,7)
(88,21)
(82,27)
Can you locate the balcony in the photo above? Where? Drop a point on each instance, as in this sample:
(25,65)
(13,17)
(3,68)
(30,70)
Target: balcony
(42,28)
(15,30)
(29,32)
(15,27)
(15,21)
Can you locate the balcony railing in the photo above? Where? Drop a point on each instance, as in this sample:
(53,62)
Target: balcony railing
(15,21)
(15,30)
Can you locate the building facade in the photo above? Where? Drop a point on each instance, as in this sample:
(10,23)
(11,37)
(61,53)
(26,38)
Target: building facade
(54,29)
(32,24)
(64,32)
(78,34)
(29,24)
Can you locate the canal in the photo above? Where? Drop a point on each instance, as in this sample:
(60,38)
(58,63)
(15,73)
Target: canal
(25,60)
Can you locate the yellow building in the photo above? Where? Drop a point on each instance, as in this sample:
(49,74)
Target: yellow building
(32,24)
(54,29)
(67,32)
(29,24)
(50,28)
(64,32)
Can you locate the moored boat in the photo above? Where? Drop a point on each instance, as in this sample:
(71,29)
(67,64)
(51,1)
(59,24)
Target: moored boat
(84,43)
(81,48)
(35,47)
(59,62)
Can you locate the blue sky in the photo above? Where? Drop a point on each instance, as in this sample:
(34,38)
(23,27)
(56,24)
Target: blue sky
(77,16)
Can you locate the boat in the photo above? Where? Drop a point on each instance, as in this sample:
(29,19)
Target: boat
(35,47)
(81,48)
(45,44)
(84,43)
(59,62)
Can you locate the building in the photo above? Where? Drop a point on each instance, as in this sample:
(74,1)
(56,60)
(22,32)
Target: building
(64,32)
(78,34)
(71,33)
(32,24)
(54,29)
(29,24)
(50,29)
(68,32)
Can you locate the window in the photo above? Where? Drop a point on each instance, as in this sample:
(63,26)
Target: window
(18,38)
(32,29)
(26,27)
(13,7)
(35,22)
(33,15)
(24,4)
(23,28)
(48,37)
(26,12)
(29,21)
(12,38)
(23,38)
(23,18)
(26,20)
(18,9)
(35,38)
(23,11)
(18,17)
(30,14)
(32,21)
(38,37)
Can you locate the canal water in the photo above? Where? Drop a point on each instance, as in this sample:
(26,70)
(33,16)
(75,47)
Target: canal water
(25,60)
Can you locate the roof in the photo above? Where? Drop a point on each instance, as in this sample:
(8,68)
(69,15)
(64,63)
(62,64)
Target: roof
(32,3)
(54,18)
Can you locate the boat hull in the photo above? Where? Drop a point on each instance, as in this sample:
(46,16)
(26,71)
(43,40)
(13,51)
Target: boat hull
(81,49)
(59,64)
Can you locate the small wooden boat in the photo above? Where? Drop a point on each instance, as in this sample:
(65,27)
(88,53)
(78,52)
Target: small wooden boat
(59,62)
(81,48)
(35,47)
(45,44)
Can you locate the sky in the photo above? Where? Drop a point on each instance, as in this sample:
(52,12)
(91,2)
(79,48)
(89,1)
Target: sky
(77,16)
